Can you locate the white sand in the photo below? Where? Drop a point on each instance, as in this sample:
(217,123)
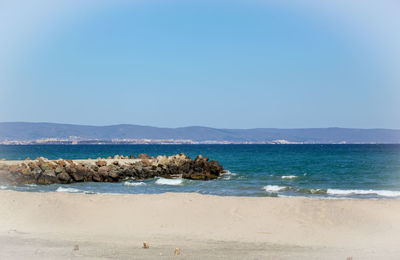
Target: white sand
(48,225)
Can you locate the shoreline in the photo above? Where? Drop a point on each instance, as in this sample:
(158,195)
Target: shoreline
(201,226)
(65,188)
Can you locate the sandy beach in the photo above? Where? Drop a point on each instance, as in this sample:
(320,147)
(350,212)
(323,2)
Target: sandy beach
(104,226)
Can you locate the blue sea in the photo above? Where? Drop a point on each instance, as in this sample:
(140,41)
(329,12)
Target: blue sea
(323,171)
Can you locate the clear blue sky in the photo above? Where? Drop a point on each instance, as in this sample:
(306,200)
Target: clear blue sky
(226,64)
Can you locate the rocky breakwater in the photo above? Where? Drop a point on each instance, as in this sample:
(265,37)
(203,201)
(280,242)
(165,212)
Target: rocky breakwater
(119,168)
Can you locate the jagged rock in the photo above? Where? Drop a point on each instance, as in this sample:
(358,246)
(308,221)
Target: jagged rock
(79,173)
(47,177)
(101,163)
(36,172)
(132,156)
(45,166)
(146,162)
(96,177)
(26,171)
(43,171)
(33,165)
(49,172)
(113,172)
(143,156)
(103,171)
(61,163)
(64,177)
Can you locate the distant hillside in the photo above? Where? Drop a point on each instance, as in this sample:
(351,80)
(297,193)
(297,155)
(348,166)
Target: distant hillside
(22,131)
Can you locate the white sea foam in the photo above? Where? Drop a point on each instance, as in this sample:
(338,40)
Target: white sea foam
(273,188)
(69,190)
(73,190)
(289,177)
(130,184)
(384,193)
(3,187)
(163,181)
(227,172)
(227,175)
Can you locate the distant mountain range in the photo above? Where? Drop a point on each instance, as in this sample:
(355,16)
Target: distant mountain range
(23,131)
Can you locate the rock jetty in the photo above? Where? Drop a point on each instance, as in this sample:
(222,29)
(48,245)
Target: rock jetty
(111,169)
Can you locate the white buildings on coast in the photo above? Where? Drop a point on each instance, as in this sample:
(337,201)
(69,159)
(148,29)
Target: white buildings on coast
(76,141)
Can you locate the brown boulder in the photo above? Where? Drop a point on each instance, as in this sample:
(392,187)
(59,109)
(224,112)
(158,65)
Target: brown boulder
(26,171)
(146,162)
(32,165)
(143,156)
(79,174)
(103,171)
(61,163)
(101,163)
(47,177)
(96,177)
(63,177)
(45,166)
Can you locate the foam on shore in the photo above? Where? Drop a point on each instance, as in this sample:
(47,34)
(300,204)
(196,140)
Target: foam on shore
(73,190)
(384,193)
(69,190)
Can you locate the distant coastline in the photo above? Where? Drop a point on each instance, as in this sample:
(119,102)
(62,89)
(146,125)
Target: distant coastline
(52,141)
(22,133)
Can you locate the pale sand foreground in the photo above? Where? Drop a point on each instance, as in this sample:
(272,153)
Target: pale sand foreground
(48,225)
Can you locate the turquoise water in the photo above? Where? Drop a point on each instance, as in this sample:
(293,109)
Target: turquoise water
(326,171)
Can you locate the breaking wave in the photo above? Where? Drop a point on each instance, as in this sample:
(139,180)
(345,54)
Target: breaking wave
(69,190)
(227,175)
(163,181)
(73,190)
(289,177)
(274,188)
(131,184)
